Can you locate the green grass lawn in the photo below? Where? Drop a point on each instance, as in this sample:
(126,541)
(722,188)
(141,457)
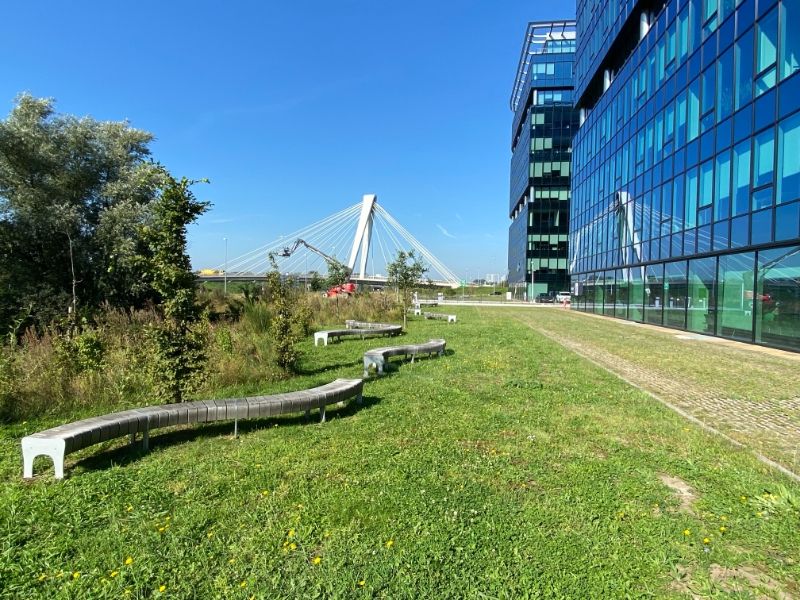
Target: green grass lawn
(508,468)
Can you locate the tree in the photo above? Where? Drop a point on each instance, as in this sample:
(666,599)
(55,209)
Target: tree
(337,274)
(179,340)
(73,195)
(316,283)
(404,273)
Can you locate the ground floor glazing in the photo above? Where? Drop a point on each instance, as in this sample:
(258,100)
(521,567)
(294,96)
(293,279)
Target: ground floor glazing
(751,296)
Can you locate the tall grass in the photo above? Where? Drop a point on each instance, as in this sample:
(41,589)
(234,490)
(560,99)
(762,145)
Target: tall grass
(105,367)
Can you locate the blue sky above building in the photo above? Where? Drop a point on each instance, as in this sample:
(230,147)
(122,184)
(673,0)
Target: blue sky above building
(293,111)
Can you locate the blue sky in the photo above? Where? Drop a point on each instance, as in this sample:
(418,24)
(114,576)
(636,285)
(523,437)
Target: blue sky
(293,110)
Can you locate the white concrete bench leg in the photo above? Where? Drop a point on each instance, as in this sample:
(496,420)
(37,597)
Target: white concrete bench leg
(322,414)
(320,335)
(32,447)
(451,318)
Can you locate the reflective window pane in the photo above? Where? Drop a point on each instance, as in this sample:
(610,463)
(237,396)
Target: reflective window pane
(777,297)
(790,38)
(675,294)
(741,177)
(735,306)
(789,159)
(701,303)
(654,294)
(744,69)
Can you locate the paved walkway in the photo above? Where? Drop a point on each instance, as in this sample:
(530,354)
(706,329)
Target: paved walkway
(770,427)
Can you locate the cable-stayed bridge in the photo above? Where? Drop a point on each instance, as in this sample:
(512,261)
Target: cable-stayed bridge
(364,237)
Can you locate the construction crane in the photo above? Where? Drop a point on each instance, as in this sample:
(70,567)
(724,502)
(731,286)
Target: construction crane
(344,289)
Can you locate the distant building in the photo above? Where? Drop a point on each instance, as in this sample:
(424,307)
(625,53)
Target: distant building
(686,166)
(543,125)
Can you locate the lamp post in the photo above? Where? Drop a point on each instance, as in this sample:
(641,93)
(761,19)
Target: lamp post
(225,273)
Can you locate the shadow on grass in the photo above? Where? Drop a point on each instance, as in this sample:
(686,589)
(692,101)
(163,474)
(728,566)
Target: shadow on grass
(127,454)
(326,369)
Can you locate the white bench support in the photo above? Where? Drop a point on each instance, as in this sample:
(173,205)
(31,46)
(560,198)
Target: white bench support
(31,448)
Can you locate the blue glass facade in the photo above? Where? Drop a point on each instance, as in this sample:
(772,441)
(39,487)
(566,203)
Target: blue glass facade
(686,166)
(542,129)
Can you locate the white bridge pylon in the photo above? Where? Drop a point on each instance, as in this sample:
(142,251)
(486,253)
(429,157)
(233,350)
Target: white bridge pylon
(363,234)
(363,237)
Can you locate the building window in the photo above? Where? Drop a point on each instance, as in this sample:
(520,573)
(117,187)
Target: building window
(777,297)
(735,307)
(767,52)
(701,302)
(790,38)
(741,175)
(725,85)
(744,69)
(763,164)
(722,195)
(789,159)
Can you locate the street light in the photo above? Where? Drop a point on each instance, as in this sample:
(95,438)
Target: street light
(225,273)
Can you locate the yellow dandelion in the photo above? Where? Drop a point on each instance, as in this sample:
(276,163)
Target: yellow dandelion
(759,514)
(389,543)
(243,584)
(327,534)
(362,583)
(723,529)
(161,588)
(42,577)
(744,498)
(114,573)
(129,560)
(292,546)
(723,518)
(161,529)
(291,533)
(76,574)
(687,532)
(231,561)
(265,493)
(129,508)
(706,540)
(316,560)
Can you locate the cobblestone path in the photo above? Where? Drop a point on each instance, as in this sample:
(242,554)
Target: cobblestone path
(770,427)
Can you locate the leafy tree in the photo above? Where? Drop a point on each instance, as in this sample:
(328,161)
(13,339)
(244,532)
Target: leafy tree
(337,274)
(404,273)
(316,282)
(73,195)
(179,340)
(283,318)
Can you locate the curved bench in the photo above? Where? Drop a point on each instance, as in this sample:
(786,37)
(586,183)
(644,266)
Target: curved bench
(352,324)
(379,357)
(60,441)
(340,333)
(442,316)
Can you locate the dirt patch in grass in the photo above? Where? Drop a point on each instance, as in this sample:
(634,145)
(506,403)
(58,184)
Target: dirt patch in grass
(681,490)
(747,578)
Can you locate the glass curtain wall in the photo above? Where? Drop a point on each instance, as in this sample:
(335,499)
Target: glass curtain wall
(686,168)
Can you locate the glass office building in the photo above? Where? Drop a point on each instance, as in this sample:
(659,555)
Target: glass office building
(543,125)
(686,166)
